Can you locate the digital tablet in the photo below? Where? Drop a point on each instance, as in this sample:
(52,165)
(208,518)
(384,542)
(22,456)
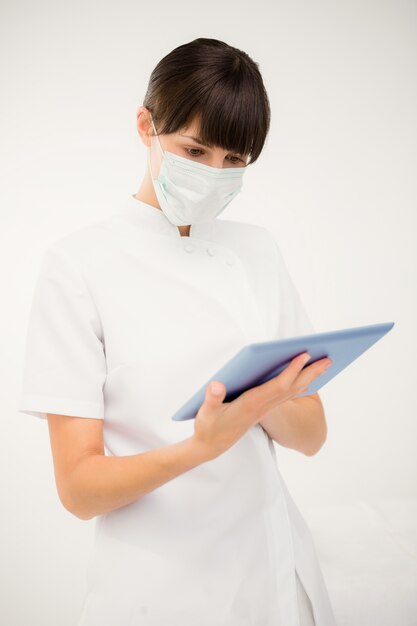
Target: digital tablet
(257,363)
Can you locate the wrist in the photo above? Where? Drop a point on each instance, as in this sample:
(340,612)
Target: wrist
(199,451)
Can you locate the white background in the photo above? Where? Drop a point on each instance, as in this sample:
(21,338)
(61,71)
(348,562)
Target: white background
(336,183)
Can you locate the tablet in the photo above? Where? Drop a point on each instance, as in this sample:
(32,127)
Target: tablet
(257,363)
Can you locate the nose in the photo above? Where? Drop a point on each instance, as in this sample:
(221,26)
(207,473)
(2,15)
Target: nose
(219,163)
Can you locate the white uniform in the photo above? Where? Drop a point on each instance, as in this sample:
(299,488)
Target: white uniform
(128,319)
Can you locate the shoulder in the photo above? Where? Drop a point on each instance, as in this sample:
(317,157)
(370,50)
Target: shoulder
(83,246)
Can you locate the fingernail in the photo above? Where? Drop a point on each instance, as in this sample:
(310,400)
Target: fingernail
(306,358)
(216,389)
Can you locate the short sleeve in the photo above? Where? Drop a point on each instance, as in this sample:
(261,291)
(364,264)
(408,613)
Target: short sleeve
(64,366)
(293,319)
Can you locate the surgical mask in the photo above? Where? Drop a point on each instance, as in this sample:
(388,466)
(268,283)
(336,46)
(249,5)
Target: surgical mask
(190,192)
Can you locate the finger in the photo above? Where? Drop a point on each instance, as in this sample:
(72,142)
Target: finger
(301,392)
(215,394)
(278,384)
(290,373)
(313,371)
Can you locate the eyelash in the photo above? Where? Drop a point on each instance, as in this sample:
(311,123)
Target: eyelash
(187,150)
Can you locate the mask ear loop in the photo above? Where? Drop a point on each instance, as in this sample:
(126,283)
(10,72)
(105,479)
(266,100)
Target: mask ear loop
(157,137)
(149,150)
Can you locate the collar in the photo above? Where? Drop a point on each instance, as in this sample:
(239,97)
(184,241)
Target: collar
(155,220)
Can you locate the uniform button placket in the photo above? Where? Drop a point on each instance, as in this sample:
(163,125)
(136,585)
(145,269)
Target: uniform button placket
(211,250)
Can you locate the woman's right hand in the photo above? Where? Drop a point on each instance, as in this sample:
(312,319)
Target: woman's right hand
(218,425)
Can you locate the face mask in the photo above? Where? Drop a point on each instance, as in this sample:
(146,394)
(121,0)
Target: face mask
(190,192)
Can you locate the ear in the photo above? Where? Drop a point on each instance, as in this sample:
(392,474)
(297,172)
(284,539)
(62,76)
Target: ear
(144,125)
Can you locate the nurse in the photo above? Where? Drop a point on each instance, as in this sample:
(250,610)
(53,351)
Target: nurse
(133,313)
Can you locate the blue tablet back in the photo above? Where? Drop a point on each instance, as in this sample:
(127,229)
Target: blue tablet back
(257,363)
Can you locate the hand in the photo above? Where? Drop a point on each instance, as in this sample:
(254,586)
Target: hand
(218,425)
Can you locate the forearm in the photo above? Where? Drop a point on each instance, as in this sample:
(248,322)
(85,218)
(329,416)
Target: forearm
(299,424)
(99,483)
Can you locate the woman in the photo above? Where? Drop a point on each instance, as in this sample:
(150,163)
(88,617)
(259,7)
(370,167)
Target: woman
(130,316)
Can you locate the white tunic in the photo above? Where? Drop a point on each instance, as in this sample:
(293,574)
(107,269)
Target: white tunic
(128,319)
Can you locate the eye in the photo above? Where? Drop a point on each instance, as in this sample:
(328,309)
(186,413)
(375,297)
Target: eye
(191,152)
(188,151)
(237,159)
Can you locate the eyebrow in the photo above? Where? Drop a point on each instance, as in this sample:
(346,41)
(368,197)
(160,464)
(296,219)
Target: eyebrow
(198,140)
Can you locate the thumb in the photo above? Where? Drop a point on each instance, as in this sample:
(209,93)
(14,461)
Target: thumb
(215,393)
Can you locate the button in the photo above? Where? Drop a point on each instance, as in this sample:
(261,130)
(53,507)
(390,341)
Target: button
(210,252)
(188,247)
(230,260)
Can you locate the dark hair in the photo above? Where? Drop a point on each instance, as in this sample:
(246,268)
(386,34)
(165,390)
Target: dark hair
(217,85)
